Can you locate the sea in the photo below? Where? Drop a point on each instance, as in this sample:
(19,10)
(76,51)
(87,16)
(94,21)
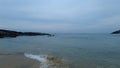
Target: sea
(61,51)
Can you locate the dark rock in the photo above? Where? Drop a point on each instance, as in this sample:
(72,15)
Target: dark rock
(9,33)
(116,32)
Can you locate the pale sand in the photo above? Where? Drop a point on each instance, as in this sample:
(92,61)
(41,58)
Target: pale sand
(17,61)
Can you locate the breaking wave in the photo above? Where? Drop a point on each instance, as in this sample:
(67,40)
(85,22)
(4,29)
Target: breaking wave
(47,61)
(41,58)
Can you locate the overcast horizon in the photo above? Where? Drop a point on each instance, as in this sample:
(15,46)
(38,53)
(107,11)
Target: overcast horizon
(60,16)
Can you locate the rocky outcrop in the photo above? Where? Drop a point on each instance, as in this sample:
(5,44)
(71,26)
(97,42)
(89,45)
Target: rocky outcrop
(116,32)
(9,33)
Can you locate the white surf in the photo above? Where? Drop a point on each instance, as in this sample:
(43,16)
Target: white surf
(41,58)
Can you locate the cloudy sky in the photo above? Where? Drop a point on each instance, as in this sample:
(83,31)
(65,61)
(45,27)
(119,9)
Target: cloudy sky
(64,16)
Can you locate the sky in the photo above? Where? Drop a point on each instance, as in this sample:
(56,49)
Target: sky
(60,16)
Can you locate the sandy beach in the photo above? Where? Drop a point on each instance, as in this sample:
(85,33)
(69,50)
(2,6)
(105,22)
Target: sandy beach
(17,61)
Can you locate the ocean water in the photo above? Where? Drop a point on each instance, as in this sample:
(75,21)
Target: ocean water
(69,50)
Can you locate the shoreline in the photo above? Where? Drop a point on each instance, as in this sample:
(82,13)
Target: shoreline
(20,60)
(17,61)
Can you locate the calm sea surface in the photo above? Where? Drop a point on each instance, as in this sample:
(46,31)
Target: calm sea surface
(77,50)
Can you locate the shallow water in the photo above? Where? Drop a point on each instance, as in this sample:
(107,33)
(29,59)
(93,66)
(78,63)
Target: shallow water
(76,50)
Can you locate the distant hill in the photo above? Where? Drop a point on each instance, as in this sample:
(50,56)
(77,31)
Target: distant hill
(10,33)
(116,32)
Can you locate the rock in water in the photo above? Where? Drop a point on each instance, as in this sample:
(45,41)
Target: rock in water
(116,32)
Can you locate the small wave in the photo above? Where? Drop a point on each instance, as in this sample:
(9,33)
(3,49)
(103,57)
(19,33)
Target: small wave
(41,58)
(47,61)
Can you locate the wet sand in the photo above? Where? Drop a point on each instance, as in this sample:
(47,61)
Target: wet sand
(17,61)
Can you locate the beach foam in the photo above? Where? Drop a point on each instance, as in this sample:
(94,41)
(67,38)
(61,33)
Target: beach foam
(46,61)
(41,58)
